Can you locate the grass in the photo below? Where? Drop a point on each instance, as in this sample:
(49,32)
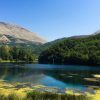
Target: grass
(10,92)
(34,95)
(50,96)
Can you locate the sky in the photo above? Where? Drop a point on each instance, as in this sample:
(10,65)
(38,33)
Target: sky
(53,19)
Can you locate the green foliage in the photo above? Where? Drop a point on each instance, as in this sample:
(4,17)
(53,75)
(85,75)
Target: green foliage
(84,50)
(16,53)
(34,95)
(54,96)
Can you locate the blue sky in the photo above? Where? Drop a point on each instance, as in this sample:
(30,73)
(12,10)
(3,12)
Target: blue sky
(53,19)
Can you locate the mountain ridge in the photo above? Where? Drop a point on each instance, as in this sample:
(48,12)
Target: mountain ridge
(19,32)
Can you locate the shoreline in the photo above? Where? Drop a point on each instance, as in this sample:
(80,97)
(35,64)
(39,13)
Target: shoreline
(23,89)
(9,61)
(34,62)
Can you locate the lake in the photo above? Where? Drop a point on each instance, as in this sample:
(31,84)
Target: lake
(60,76)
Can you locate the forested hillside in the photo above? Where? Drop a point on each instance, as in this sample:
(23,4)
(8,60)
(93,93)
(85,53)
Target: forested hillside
(83,50)
(41,47)
(16,53)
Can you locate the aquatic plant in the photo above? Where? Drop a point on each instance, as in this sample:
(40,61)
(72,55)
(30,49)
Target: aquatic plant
(11,92)
(34,95)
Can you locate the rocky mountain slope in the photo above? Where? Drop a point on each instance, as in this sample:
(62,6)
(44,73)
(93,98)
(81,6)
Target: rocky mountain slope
(17,34)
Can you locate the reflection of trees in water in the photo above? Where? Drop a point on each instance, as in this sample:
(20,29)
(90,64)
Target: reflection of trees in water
(74,77)
(20,73)
(9,70)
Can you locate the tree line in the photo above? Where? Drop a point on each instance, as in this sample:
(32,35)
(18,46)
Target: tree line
(83,51)
(16,53)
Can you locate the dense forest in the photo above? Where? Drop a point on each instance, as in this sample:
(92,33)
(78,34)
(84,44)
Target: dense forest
(16,53)
(83,50)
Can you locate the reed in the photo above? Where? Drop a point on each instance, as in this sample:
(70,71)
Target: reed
(34,95)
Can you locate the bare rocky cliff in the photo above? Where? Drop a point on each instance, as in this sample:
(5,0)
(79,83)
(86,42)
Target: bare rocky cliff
(19,33)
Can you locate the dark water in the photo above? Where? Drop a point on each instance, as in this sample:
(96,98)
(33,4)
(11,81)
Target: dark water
(61,76)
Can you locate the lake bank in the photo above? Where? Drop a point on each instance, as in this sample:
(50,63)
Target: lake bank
(27,91)
(36,62)
(14,61)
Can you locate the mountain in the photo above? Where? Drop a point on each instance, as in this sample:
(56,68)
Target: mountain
(81,51)
(46,45)
(97,32)
(79,36)
(10,33)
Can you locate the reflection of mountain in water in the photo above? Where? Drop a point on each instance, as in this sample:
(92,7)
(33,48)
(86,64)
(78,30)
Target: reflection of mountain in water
(19,74)
(22,73)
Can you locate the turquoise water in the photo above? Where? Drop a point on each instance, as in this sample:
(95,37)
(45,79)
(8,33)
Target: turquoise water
(60,76)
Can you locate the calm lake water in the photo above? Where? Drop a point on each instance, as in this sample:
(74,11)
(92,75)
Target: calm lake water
(61,76)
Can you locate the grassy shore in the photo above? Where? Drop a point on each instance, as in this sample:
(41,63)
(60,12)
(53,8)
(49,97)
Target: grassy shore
(27,91)
(16,61)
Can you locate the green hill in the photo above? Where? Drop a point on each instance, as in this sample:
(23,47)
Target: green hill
(83,50)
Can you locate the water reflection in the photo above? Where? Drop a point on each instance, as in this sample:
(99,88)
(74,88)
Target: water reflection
(51,75)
